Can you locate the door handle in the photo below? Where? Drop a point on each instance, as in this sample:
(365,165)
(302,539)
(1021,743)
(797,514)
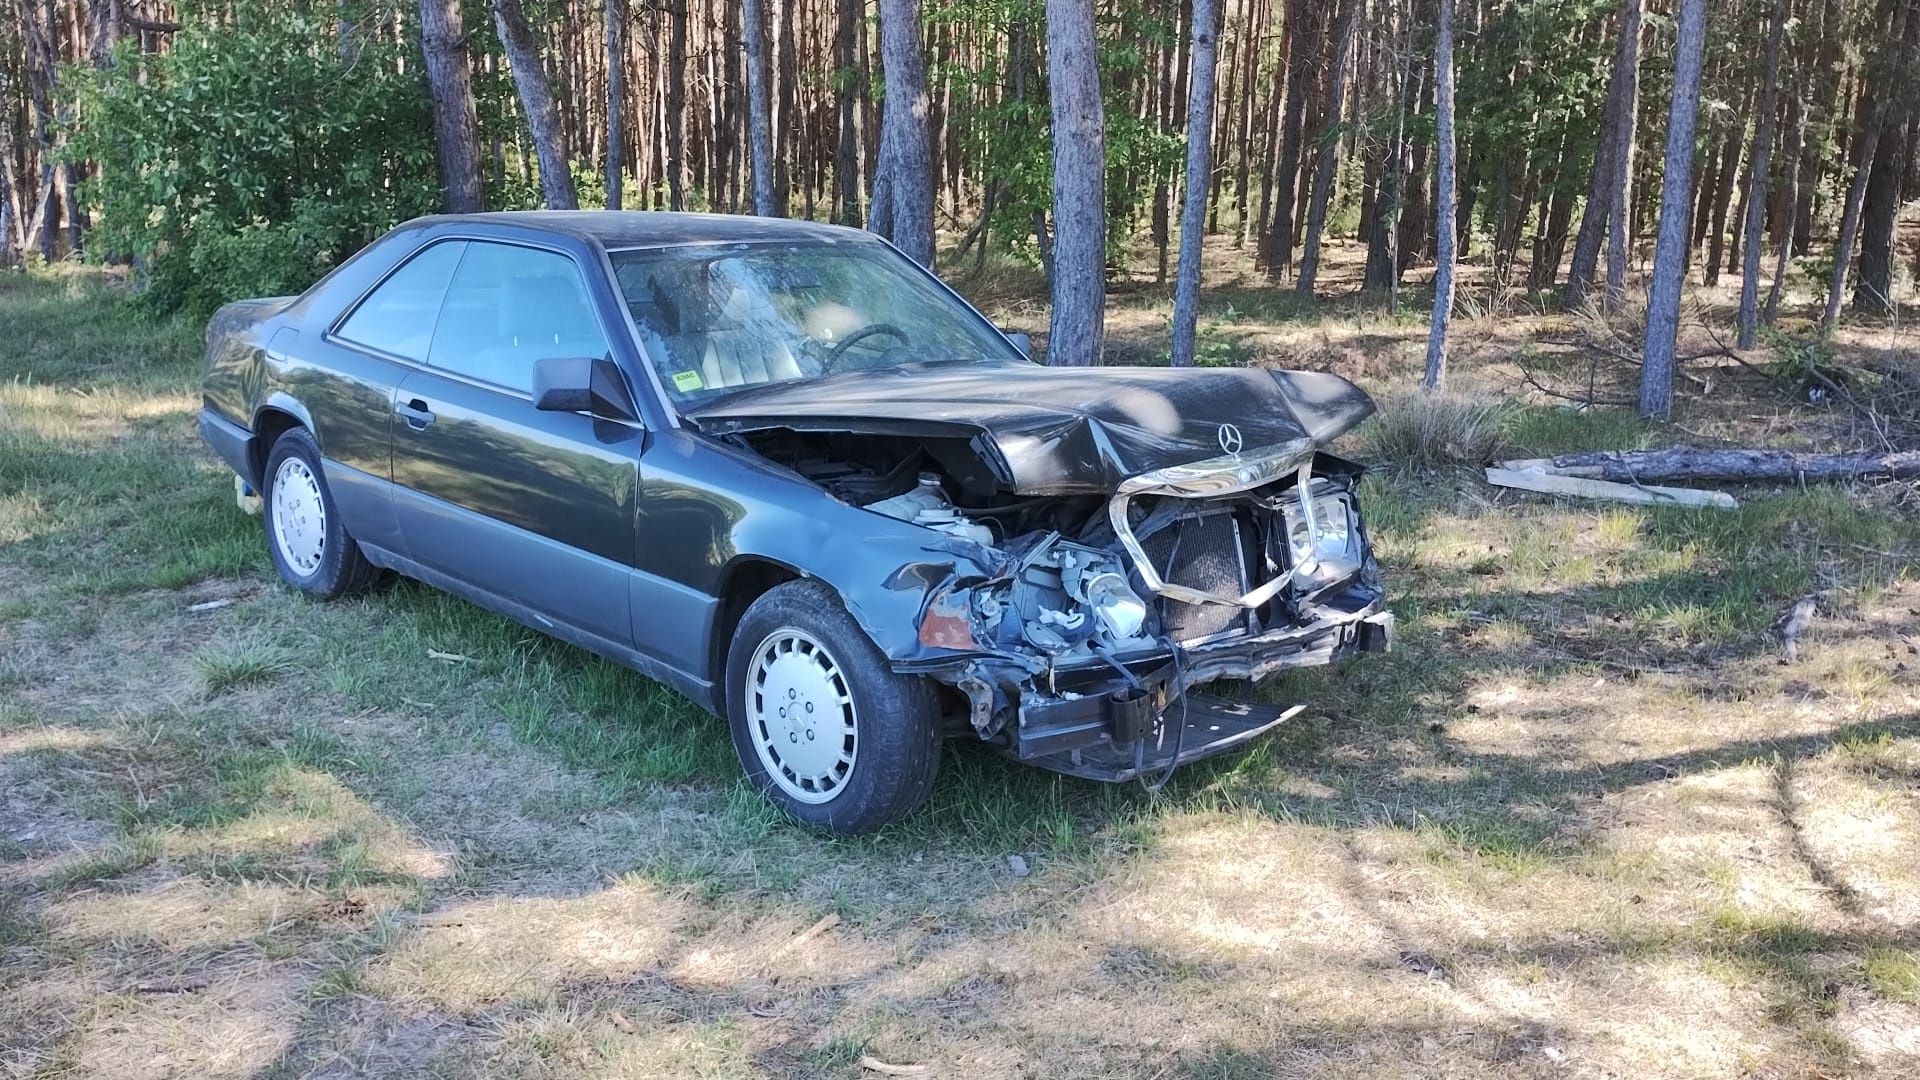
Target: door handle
(417,415)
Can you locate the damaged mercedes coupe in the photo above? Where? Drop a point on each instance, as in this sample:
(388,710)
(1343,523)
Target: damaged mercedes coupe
(783,469)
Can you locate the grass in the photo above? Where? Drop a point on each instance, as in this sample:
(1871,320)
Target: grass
(245,664)
(1893,975)
(1541,430)
(100,866)
(1584,787)
(1424,433)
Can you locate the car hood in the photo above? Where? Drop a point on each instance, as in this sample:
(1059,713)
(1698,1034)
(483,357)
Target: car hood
(1050,431)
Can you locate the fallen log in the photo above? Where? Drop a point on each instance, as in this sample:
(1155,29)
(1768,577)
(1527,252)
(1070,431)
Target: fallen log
(1732,466)
(1583,488)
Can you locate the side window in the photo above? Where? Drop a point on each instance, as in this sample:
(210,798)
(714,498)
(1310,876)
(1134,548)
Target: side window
(510,306)
(398,316)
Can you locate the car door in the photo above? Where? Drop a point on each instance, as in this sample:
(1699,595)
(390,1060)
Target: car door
(349,379)
(536,508)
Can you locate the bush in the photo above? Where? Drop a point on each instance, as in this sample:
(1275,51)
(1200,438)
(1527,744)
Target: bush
(1422,432)
(260,149)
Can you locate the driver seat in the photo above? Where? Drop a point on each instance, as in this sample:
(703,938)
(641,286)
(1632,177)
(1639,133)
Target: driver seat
(744,348)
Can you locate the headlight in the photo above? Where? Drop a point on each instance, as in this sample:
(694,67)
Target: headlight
(1120,610)
(1326,548)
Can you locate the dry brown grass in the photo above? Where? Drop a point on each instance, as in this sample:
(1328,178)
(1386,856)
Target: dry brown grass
(1422,432)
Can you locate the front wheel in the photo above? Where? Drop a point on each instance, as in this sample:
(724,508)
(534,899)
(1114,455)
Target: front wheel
(825,729)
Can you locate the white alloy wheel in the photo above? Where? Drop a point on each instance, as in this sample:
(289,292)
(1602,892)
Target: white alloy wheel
(801,717)
(299,517)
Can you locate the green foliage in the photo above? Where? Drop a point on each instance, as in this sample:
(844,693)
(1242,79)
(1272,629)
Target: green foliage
(1811,365)
(1534,84)
(263,147)
(1010,125)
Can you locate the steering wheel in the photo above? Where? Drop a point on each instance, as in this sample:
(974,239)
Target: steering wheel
(840,349)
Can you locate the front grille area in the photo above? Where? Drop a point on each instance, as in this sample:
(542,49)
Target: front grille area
(1208,552)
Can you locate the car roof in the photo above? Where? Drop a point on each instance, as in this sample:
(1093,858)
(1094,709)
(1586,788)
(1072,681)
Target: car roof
(647,228)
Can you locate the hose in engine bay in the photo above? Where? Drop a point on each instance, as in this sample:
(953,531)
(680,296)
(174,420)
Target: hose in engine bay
(1179,680)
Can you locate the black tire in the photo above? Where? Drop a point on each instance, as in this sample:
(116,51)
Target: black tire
(342,570)
(896,717)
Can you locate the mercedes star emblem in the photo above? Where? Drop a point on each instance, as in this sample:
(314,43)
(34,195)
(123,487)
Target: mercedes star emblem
(1230,438)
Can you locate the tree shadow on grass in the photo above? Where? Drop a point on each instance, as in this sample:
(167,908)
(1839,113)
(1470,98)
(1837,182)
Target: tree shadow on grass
(1370,764)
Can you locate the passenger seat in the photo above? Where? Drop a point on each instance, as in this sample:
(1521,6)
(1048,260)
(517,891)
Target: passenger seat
(743,347)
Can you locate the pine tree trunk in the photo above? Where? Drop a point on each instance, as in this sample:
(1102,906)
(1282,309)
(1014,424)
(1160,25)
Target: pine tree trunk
(1757,179)
(1705,183)
(1329,150)
(1249,60)
(1075,333)
(786,158)
(1466,196)
(42,66)
(1865,154)
(905,152)
(8,258)
(1442,321)
(759,106)
(1268,159)
(676,105)
(1722,196)
(846,154)
(1873,290)
(1557,214)
(1865,150)
(103,27)
(1789,205)
(1604,181)
(1734,234)
(1186,294)
(616,100)
(1676,182)
(456,130)
(1818,103)
(1161,107)
(734,152)
(1299,54)
(1416,237)
(1620,186)
(536,100)
(1383,242)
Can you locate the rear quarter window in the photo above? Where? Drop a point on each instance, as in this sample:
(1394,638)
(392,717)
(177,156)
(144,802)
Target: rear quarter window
(398,316)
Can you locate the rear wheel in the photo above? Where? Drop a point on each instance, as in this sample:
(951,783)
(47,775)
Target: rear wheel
(306,539)
(825,729)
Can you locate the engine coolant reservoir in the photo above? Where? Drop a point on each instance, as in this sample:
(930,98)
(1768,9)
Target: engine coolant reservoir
(927,507)
(953,523)
(924,496)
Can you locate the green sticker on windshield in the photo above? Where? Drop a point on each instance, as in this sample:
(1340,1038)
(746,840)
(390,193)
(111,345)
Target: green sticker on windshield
(687,381)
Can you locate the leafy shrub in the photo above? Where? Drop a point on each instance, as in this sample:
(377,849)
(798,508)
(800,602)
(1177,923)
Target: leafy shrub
(262,147)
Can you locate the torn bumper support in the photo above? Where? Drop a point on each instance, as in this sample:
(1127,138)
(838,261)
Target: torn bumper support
(1109,732)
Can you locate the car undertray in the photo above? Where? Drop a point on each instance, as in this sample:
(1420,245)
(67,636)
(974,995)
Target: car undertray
(1212,726)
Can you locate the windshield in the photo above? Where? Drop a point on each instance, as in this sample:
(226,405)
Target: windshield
(718,318)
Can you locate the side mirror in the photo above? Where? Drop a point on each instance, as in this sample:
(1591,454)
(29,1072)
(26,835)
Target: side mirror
(590,384)
(1022,342)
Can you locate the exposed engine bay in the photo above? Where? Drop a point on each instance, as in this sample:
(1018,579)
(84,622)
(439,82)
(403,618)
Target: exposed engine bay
(1090,614)
(878,471)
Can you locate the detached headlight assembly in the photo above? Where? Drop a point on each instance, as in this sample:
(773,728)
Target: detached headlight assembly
(1325,547)
(1120,610)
